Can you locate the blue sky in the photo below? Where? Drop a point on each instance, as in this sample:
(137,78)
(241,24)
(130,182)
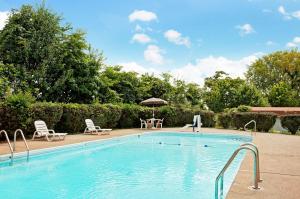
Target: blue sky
(191,38)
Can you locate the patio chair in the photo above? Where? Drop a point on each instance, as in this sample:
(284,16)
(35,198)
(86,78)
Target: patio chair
(41,130)
(95,130)
(143,123)
(159,123)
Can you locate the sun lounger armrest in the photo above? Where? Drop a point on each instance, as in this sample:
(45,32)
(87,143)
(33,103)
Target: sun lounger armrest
(51,130)
(97,127)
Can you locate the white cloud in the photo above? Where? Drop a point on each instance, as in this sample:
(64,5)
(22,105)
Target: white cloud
(293,44)
(135,67)
(296,14)
(3,18)
(142,15)
(175,37)
(245,29)
(202,68)
(138,28)
(270,43)
(154,55)
(289,15)
(281,10)
(141,38)
(206,67)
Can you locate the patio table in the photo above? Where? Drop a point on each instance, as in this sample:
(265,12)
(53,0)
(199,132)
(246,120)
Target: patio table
(152,121)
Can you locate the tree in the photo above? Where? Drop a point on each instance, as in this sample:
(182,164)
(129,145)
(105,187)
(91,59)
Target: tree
(249,95)
(47,59)
(75,78)
(194,94)
(281,66)
(281,94)
(125,85)
(222,91)
(27,44)
(152,86)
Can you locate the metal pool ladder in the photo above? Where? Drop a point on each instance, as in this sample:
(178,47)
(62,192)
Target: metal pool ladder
(256,169)
(252,121)
(9,145)
(24,140)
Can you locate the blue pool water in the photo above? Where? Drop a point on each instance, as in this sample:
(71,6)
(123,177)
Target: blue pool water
(149,166)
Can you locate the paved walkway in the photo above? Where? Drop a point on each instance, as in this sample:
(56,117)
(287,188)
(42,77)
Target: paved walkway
(280,169)
(279,155)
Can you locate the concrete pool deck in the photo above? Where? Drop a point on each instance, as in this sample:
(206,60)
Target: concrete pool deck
(279,162)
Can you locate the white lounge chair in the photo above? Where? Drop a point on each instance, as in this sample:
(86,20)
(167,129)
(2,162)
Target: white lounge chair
(41,130)
(196,123)
(92,129)
(143,123)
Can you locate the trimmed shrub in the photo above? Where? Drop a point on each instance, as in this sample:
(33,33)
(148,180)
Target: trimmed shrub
(177,116)
(225,120)
(72,120)
(105,115)
(243,108)
(207,118)
(49,112)
(131,115)
(264,121)
(291,122)
(169,114)
(74,115)
(15,112)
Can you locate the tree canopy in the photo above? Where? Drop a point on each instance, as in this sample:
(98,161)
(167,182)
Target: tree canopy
(278,69)
(222,91)
(41,56)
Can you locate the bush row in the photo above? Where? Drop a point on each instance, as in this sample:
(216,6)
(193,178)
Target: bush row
(291,122)
(237,120)
(70,117)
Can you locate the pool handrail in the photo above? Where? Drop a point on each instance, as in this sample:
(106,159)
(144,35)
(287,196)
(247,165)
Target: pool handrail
(257,152)
(252,121)
(24,140)
(221,174)
(9,145)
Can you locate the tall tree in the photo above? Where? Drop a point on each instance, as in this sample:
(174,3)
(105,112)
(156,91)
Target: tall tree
(27,44)
(47,59)
(281,66)
(281,94)
(75,78)
(222,91)
(124,84)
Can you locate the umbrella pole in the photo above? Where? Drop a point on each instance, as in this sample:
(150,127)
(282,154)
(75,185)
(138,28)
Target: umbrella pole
(153,111)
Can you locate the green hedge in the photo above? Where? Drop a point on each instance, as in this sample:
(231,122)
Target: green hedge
(264,121)
(131,114)
(13,118)
(291,122)
(49,112)
(74,115)
(70,118)
(225,120)
(237,120)
(178,117)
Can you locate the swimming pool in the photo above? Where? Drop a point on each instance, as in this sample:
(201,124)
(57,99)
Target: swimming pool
(152,165)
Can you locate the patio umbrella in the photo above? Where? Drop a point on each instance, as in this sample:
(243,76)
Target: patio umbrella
(154,102)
